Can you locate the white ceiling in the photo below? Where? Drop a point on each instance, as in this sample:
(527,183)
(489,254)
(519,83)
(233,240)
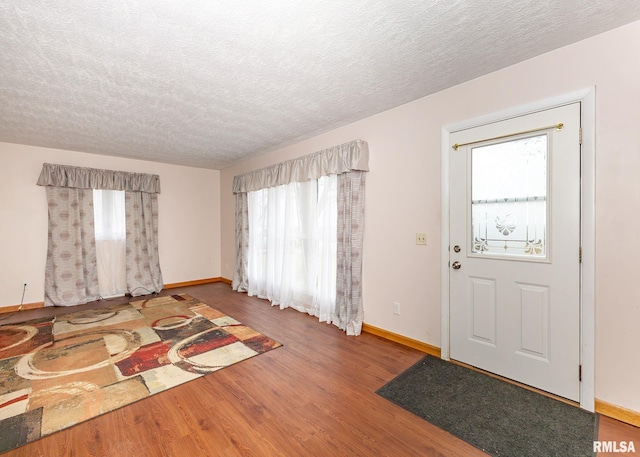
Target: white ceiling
(212,83)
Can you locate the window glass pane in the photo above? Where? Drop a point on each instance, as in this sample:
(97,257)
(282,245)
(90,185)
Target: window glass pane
(110,230)
(292,252)
(509,198)
(109,214)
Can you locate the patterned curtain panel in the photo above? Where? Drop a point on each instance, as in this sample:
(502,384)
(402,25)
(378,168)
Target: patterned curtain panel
(349,311)
(143,263)
(72,276)
(240,275)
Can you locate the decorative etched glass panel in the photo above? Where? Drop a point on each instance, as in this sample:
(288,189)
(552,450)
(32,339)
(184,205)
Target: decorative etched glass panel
(509,198)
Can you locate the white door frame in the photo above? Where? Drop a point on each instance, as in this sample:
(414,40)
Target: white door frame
(587,220)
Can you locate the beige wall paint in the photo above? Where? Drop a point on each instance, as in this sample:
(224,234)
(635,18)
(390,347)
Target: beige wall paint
(188,220)
(403,194)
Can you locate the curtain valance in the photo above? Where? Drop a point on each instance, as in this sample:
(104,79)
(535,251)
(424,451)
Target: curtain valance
(352,156)
(92,178)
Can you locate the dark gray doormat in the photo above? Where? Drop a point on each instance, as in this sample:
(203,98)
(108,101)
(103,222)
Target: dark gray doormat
(495,416)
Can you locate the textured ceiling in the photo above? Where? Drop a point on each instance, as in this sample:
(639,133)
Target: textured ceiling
(212,83)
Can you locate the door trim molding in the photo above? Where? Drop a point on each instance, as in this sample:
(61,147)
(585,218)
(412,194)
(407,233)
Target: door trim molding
(587,220)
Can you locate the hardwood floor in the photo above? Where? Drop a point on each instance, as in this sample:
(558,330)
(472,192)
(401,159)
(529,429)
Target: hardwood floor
(315,396)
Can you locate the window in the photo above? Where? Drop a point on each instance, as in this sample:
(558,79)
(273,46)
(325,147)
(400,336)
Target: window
(75,222)
(300,231)
(509,198)
(110,231)
(293,244)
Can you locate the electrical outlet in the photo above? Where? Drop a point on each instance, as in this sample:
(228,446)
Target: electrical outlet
(396,307)
(421,239)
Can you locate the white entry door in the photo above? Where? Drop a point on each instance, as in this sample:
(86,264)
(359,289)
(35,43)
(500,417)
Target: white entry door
(515,249)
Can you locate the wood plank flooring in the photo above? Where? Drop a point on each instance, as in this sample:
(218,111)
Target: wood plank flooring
(315,396)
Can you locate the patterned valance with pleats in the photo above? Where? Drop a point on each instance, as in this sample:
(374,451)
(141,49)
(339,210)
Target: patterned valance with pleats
(352,156)
(92,178)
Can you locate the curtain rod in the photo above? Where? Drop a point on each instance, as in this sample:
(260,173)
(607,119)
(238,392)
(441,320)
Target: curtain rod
(557,126)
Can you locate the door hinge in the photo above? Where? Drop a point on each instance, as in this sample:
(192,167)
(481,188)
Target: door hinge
(579,372)
(580,135)
(580,255)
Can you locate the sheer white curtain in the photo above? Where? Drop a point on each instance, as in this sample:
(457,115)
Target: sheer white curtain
(292,245)
(110,231)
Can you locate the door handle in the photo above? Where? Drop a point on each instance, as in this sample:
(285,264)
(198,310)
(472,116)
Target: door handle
(456,265)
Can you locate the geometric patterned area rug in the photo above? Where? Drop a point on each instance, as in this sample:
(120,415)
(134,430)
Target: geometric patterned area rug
(59,371)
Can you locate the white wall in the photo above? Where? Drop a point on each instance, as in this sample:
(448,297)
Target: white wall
(403,194)
(188,220)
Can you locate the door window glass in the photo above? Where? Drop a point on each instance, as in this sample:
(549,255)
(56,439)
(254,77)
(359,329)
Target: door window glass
(509,198)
